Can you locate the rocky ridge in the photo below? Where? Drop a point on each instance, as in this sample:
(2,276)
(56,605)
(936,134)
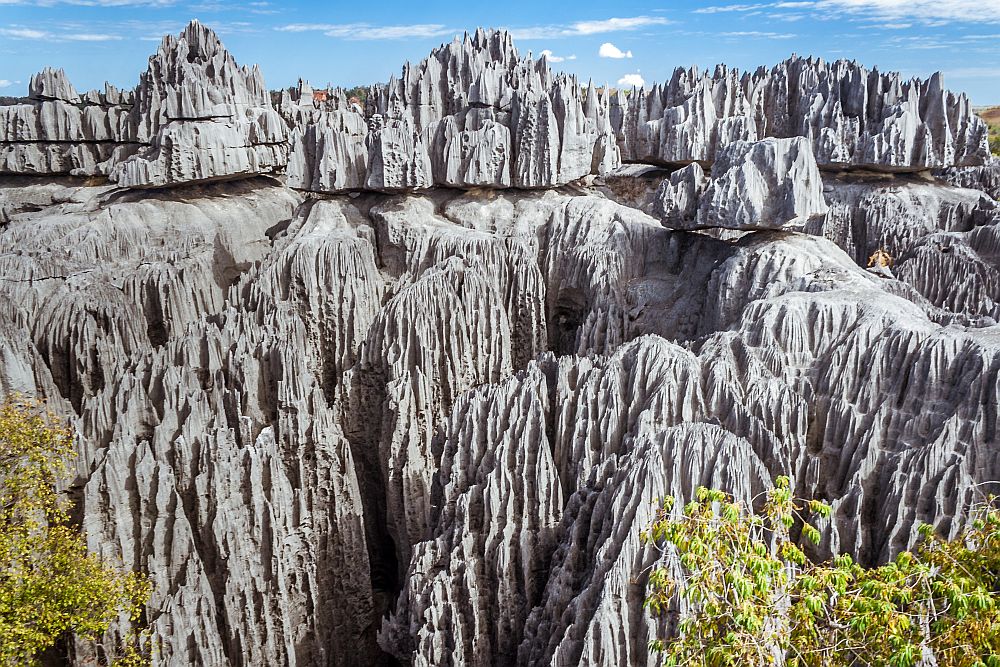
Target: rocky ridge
(472,114)
(424,421)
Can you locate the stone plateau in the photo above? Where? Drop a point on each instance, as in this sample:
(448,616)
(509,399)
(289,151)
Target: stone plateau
(396,381)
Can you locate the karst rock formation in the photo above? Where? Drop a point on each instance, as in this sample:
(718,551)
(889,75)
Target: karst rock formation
(396,380)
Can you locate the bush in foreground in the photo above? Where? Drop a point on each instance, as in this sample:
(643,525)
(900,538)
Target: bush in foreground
(746,594)
(50,587)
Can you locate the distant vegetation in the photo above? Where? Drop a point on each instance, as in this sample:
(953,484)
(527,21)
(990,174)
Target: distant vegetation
(360,92)
(992,116)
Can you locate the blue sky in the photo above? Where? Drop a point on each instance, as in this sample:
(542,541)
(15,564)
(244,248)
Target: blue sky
(623,41)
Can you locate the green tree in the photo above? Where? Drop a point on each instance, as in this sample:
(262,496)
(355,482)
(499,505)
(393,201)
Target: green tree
(746,594)
(50,586)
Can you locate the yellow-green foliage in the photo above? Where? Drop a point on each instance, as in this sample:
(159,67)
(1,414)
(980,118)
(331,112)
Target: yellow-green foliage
(49,585)
(747,595)
(992,118)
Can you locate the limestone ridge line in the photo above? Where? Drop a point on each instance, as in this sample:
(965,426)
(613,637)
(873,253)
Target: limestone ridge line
(472,114)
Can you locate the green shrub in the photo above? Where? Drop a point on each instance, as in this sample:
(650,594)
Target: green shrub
(50,586)
(746,594)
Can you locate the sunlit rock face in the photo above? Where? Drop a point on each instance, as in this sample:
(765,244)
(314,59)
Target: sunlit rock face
(474,113)
(397,380)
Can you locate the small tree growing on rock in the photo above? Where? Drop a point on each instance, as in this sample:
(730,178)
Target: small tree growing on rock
(51,588)
(746,594)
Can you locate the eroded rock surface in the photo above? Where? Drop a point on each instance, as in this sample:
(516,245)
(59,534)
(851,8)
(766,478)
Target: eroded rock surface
(472,114)
(763,185)
(394,392)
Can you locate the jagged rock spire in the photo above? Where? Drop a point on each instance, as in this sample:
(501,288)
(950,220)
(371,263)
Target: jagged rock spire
(478,114)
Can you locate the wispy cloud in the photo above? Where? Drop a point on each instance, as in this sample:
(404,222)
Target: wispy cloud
(718,9)
(977,11)
(90,37)
(218,7)
(24,33)
(617,25)
(894,13)
(758,34)
(17,32)
(552,58)
(609,50)
(919,42)
(634,80)
(367,31)
(6,83)
(582,28)
(91,3)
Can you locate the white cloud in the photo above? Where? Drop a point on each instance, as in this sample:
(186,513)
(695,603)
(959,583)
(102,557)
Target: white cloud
(552,58)
(632,80)
(609,50)
(929,12)
(757,33)
(90,37)
(31,33)
(589,27)
(947,10)
(729,8)
(4,83)
(24,33)
(366,31)
(718,9)
(617,25)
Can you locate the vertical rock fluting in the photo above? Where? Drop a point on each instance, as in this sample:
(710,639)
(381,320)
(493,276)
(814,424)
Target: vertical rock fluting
(290,422)
(851,115)
(941,238)
(827,359)
(472,114)
(769,183)
(354,428)
(202,115)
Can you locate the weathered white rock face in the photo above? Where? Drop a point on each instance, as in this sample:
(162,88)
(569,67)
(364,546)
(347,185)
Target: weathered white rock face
(55,131)
(940,237)
(202,115)
(472,114)
(425,420)
(677,200)
(52,84)
(301,415)
(767,184)
(851,115)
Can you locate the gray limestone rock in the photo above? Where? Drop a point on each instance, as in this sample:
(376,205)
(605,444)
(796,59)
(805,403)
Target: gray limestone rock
(851,116)
(677,199)
(406,385)
(939,237)
(52,84)
(985,177)
(767,184)
(203,116)
(474,113)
